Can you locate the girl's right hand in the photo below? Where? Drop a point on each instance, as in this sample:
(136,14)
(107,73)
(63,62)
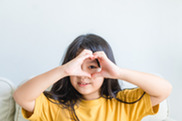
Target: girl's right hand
(74,67)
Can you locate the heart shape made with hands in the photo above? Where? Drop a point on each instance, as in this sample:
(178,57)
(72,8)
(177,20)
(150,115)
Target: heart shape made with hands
(104,66)
(93,63)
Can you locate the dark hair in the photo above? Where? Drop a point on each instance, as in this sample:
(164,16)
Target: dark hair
(63,91)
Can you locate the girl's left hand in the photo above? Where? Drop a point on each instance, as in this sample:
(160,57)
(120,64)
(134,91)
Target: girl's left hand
(108,68)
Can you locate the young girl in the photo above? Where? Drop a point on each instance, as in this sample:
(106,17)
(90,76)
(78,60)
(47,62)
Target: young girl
(85,88)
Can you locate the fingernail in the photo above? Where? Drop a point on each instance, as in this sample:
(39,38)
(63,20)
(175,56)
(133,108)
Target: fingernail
(98,69)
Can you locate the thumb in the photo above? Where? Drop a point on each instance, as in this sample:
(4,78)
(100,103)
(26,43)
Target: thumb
(97,74)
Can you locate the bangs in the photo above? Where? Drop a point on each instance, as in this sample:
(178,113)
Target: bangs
(91,44)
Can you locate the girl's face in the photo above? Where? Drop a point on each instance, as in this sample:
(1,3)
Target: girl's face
(88,87)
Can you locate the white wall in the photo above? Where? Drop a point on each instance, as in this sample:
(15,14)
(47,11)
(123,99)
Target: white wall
(144,35)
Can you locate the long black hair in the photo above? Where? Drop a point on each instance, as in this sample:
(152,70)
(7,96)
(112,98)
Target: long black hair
(63,91)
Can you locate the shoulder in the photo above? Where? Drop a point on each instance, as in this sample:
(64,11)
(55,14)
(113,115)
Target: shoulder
(139,103)
(42,105)
(131,94)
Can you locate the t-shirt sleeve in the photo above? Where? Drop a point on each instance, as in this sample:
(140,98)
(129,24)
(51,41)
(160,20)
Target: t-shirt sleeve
(42,110)
(141,108)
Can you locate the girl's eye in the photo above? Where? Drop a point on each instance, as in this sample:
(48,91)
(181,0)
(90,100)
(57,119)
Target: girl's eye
(92,67)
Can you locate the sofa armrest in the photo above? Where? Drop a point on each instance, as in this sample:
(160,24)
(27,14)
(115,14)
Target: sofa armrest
(7,103)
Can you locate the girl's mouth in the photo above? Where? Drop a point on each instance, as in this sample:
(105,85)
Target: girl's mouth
(83,84)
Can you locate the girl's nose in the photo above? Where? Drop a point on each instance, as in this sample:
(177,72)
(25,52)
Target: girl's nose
(84,78)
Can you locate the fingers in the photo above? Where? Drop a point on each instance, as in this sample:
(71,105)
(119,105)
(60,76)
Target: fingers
(100,55)
(89,54)
(86,54)
(97,74)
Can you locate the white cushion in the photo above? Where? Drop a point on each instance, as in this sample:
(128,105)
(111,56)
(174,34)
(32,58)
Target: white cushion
(7,104)
(18,114)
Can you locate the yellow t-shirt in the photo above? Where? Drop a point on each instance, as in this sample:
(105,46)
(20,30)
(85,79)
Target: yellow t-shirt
(100,109)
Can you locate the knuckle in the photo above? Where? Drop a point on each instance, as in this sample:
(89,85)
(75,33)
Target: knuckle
(87,51)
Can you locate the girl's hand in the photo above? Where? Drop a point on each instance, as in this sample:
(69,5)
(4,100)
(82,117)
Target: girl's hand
(108,68)
(74,67)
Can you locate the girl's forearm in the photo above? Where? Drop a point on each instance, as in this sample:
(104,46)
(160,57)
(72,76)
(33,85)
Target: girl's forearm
(151,84)
(30,90)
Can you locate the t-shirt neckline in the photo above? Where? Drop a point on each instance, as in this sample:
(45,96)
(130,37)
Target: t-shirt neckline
(91,103)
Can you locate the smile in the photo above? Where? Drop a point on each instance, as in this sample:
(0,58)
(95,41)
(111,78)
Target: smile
(82,84)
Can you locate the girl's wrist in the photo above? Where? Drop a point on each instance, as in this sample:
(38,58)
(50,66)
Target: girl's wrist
(122,73)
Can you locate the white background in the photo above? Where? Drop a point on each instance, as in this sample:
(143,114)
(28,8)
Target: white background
(145,36)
